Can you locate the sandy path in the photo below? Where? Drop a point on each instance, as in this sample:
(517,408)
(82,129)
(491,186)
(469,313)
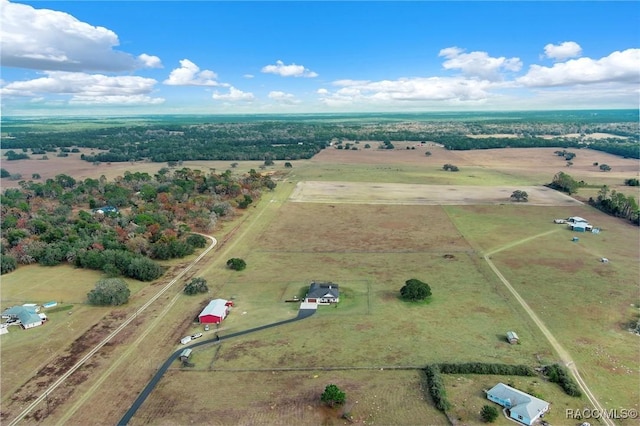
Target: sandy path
(562,353)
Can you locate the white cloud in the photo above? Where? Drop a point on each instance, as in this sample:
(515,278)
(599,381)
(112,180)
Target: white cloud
(283,98)
(86,88)
(149,61)
(403,90)
(562,51)
(621,67)
(248,76)
(292,70)
(322,91)
(44,39)
(479,64)
(189,74)
(234,95)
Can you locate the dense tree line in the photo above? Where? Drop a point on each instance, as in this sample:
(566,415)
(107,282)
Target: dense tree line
(436,388)
(167,138)
(120,227)
(486,368)
(617,204)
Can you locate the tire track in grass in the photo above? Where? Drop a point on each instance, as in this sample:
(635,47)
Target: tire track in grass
(107,339)
(562,353)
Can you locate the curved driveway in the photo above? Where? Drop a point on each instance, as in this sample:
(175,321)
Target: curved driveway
(115,332)
(302,314)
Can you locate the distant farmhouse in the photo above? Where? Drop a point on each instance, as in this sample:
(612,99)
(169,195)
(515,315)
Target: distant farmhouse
(578,224)
(105,210)
(520,406)
(323,293)
(216,311)
(26,315)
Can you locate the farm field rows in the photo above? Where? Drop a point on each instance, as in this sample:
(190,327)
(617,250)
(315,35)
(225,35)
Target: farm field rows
(370,249)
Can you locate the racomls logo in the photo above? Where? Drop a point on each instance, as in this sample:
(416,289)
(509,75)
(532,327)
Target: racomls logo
(594,413)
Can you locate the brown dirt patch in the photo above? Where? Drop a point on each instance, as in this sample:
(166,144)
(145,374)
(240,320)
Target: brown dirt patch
(417,194)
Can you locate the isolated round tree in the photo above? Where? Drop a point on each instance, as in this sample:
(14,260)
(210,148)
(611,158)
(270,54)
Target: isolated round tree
(236,264)
(109,291)
(415,290)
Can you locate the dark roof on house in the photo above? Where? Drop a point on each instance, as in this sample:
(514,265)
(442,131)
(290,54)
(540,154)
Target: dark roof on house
(327,289)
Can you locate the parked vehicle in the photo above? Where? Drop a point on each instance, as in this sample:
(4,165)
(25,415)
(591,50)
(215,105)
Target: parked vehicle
(185,340)
(206,327)
(196,336)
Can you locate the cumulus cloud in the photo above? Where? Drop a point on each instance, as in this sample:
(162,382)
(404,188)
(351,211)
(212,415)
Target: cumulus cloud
(248,76)
(479,64)
(621,67)
(292,70)
(149,61)
(234,95)
(404,90)
(283,98)
(86,88)
(562,51)
(44,39)
(189,74)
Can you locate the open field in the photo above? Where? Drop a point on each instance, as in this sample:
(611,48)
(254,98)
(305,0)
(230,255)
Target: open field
(370,250)
(388,193)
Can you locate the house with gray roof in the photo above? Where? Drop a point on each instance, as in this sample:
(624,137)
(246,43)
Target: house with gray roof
(323,293)
(520,406)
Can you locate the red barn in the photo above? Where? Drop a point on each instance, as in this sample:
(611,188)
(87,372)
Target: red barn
(214,312)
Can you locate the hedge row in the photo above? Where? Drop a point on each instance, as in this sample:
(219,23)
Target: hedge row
(559,374)
(486,368)
(436,388)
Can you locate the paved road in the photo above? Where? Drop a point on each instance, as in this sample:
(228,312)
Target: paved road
(114,333)
(302,314)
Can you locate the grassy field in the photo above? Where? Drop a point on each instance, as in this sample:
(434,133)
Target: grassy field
(370,250)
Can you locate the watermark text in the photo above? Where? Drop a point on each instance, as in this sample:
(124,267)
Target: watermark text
(594,413)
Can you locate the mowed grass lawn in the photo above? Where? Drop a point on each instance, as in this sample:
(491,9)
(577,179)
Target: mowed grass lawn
(585,303)
(369,251)
(26,351)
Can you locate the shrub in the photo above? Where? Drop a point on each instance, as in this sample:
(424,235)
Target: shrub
(559,374)
(489,413)
(197,285)
(415,290)
(236,264)
(109,291)
(332,395)
(196,240)
(7,264)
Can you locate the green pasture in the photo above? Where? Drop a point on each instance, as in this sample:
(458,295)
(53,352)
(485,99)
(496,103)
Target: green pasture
(63,284)
(466,394)
(584,302)
(430,173)
(290,397)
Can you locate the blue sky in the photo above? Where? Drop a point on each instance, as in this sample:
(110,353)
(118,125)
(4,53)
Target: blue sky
(209,57)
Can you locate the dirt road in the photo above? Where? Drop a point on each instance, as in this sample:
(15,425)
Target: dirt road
(562,353)
(106,340)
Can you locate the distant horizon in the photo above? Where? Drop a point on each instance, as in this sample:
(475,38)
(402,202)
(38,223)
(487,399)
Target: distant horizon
(337,113)
(115,58)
